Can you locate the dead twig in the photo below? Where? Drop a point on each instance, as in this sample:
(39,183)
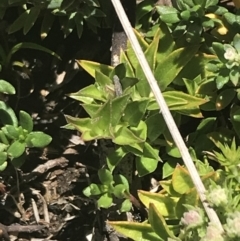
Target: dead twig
(166,112)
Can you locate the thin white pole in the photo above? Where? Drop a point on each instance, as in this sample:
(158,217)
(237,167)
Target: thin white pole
(165,112)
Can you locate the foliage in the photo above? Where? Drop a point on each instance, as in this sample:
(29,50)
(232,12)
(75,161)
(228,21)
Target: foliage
(110,186)
(129,119)
(71,14)
(193,51)
(175,213)
(16,136)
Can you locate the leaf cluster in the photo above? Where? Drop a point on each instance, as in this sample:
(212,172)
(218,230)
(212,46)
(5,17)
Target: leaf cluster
(16,136)
(71,14)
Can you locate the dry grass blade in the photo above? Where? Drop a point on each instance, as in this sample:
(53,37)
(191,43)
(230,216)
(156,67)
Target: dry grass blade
(165,112)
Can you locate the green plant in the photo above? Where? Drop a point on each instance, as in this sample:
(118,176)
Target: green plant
(130,119)
(71,14)
(132,122)
(16,136)
(226,67)
(110,187)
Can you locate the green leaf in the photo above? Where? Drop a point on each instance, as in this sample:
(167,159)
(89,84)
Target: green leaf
(6,88)
(25,120)
(28,45)
(31,19)
(7,115)
(235,118)
(87,191)
(219,50)
(127,82)
(145,165)
(158,223)
(3,166)
(168,14)
(3,157)
(16,149)
(155,126)
(47,23)
(150,53)
(164,204)
(124,136)
(135,111)
(129,69)
(191,86)
(167,69)
(130,52)
(91,67)
(136,231)
(169,167)
(224,98)
(118,108)
(126,206)
(234,75)
(18,23)
(91,109)
(91,92)
(79,24)
(119,191)
(105,201)
(120,179)
(115,157)
(102,79)
(97,189)
(38,139)
(143,8)
(177,100)
(181,180)
(166,45)
(173,151)
(140,130)
(150,152)
(105,176)
(222,78)
(11,131)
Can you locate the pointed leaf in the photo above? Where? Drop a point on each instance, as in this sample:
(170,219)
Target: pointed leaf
(158,223)
(135,111)
(136,231)
(18,23)
(155,126)
(118,108)
(167,69)
(115,157)
(145,165)
(47,23)
(31,19)
(130,52)
(124,136)
(91,67)
(150,53)
(164,204)
(166,43)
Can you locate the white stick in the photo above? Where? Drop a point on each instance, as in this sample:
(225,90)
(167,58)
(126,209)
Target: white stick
(165,112)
